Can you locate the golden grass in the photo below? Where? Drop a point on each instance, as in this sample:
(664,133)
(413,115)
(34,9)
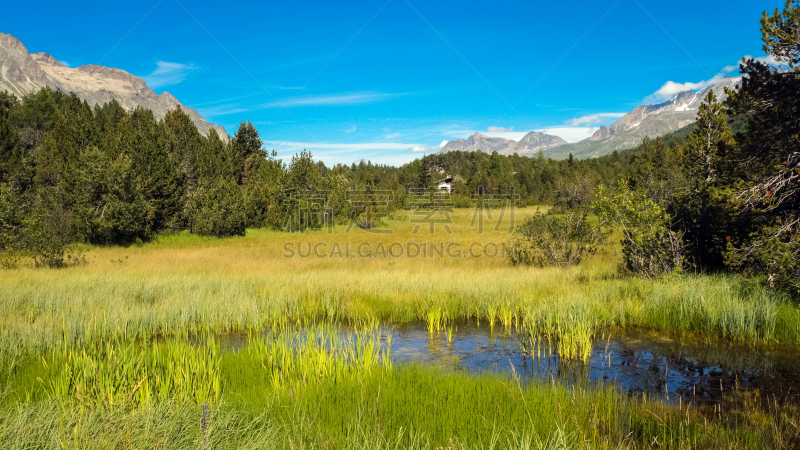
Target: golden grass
(183,283)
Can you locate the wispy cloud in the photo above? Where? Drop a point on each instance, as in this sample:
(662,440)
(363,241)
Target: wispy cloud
(221,110)
(394,153)
(351,129)
(731,68)
(290,145)
(168,73)
(500,129)
(429,150)
(329,100)
(593,118)
(670,88)
(64,63)
(768,60)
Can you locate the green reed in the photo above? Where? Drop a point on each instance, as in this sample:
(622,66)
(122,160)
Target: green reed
(134,372)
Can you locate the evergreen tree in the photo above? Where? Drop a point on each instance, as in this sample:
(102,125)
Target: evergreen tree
(183,144)
(216,209)
(139,138)
(246,152)
(424,176)
(704,210)
(781,33)
(768,194)
(9,138)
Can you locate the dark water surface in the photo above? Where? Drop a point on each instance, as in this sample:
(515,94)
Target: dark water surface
(641,363)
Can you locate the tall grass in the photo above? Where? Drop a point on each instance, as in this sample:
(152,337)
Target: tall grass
(120,373)
(291,359)
(313,387)
(186,285)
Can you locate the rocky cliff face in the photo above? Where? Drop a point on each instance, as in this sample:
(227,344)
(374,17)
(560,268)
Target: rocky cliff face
(22,73)
(534,141)
(646,120)
(530,143)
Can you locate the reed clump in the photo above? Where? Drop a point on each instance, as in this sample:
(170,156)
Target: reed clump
(117,373)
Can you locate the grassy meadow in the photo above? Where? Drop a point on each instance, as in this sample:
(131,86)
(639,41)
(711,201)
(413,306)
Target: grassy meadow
(121,352)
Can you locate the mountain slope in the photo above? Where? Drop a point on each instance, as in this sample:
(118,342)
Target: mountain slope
(22,72)
(530,144)
(646,120)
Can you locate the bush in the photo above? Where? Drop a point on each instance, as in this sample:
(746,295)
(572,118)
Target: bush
(650,249)
(555,240)
(216,210)
(775,253)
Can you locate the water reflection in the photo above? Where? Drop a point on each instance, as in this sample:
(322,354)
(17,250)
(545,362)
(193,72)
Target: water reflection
(639,362)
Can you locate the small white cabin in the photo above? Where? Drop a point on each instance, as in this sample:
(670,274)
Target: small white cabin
(445,185)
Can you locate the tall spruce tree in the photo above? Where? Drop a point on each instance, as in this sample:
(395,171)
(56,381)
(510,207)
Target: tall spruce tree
(246,152)
(703,210)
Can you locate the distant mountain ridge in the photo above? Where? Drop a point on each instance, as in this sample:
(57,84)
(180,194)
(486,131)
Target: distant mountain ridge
(22,72)
(627,132)
(646,120)
(530,144)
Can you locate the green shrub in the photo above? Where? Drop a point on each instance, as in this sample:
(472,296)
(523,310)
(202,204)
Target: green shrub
(555,240)
(216,210)
(650,249)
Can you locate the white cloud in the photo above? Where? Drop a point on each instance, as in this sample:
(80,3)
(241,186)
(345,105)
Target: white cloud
(499,129)
(443,143)
(326,100)
(768,60)
(731,68)
(340,146)
(670,88)
(168,73)
(221,110)
(64,63)
(393,153)
(570,134)
(351,129)
(593,118)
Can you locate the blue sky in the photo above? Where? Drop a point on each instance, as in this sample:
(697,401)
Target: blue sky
(390,81)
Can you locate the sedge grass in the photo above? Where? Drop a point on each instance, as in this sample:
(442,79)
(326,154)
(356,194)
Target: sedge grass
(312,387)
(185,285)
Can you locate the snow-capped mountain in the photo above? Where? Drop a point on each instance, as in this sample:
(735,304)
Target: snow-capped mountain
(646,120)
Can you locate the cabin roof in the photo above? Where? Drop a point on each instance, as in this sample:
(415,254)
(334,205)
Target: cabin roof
(446,180)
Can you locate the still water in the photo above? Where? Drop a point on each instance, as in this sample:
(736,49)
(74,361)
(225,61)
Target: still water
(641,363)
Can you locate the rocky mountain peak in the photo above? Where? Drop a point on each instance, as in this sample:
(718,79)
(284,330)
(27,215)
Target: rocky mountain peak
(46,58)
(647,120)
(22,72)
(529,144)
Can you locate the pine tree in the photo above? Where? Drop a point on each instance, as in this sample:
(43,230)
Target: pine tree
(704,209)
(424,176)
(184,143)
(9,137)
(781,33)
(162,183)
(246,152)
